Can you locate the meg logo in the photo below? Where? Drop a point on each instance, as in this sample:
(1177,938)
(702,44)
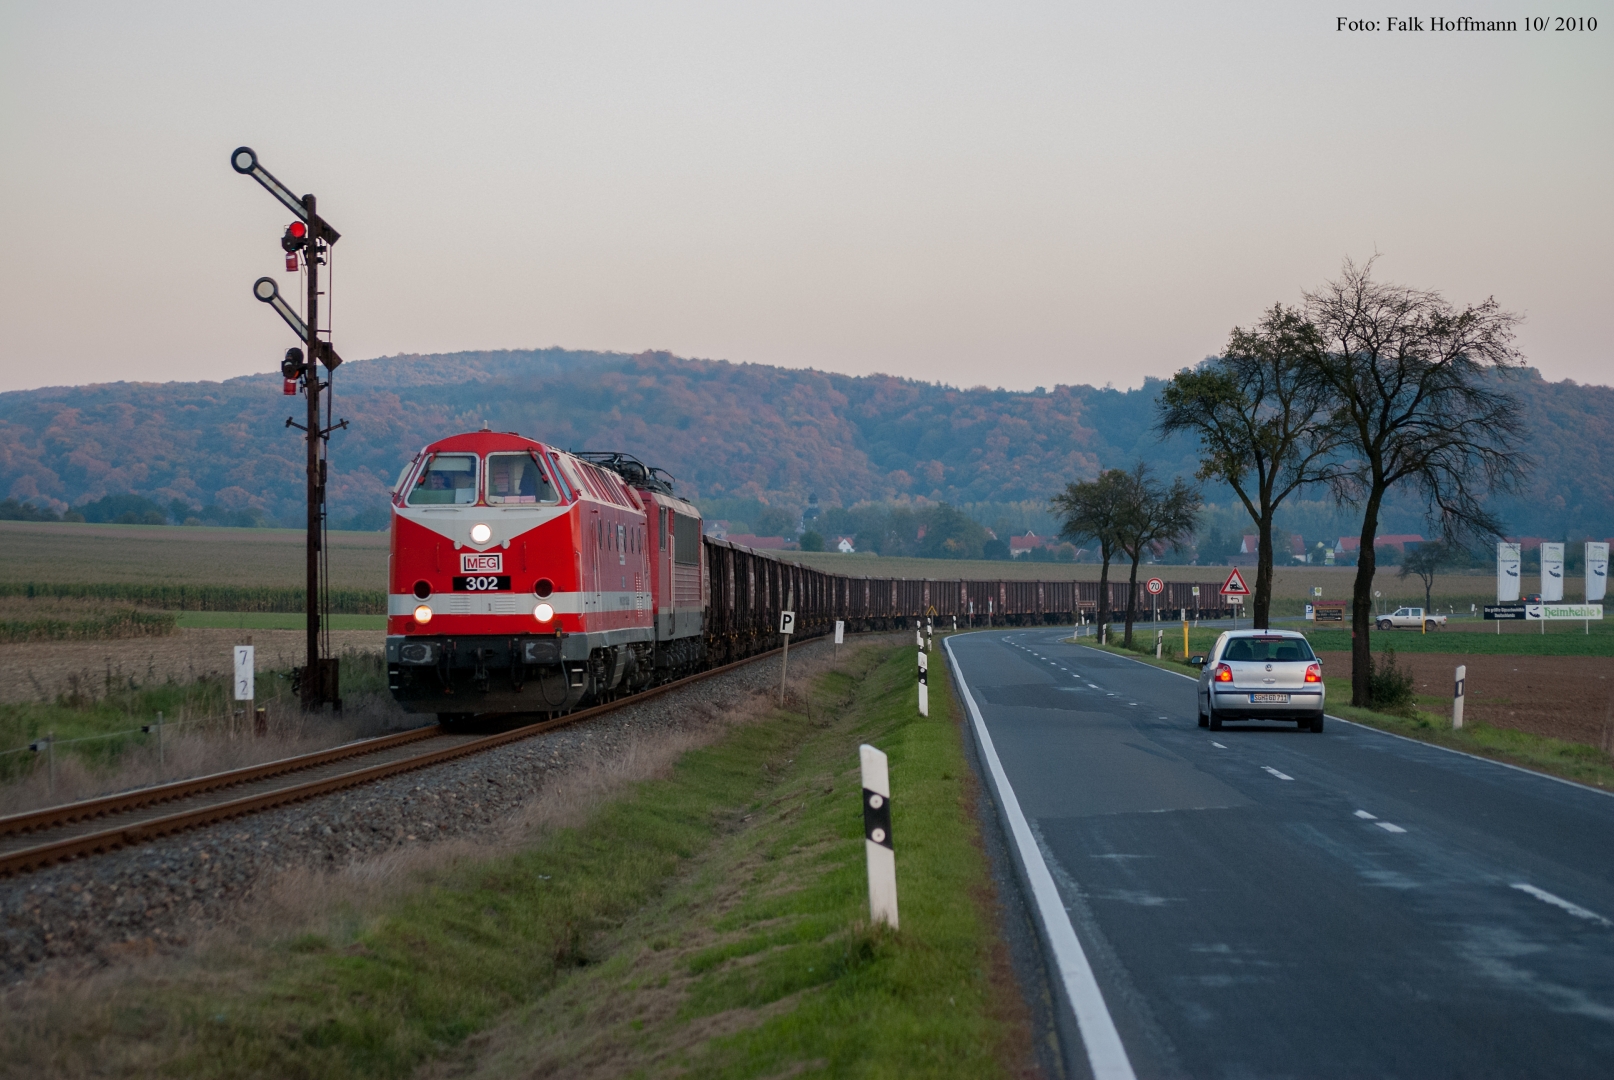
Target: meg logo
(491,562)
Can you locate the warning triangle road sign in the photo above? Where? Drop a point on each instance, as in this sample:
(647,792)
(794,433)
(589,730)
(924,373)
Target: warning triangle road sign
(1234,585)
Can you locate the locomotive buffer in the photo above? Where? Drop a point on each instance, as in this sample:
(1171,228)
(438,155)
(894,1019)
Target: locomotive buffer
(317,681)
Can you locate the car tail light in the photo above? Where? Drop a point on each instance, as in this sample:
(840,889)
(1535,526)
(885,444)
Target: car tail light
(1314,673)
(1224,673)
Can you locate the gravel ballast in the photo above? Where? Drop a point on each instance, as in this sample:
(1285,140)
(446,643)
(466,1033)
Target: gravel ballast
(160,895)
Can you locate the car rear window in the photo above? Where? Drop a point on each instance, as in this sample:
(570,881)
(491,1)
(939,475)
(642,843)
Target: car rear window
(1275,649)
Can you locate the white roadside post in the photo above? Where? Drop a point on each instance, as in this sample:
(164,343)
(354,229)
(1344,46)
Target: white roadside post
(1457,697)
(930,634)
(877,837)
(787,624)
(1159,643)
(246,676)
(840,635)
(919,635)
(924,684)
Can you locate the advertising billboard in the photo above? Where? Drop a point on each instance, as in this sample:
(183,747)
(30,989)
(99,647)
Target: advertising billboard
(1552,573)
(1507,573)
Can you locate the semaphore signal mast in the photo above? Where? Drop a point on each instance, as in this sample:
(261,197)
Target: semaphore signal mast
(311,236)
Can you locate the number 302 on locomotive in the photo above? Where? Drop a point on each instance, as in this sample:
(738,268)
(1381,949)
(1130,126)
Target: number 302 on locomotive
(482,583)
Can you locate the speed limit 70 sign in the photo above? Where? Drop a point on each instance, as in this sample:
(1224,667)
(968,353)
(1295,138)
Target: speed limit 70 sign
(1155,586)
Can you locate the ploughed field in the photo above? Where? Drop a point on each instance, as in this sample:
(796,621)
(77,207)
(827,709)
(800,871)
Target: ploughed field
(1564,697)
(78,552)
(183,555)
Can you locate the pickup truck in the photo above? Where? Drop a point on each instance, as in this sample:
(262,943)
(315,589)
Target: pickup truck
(1411,618)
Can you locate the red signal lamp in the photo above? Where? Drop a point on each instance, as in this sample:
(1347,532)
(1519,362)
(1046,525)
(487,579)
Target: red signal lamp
(296,236)
(289,387)
(291,262)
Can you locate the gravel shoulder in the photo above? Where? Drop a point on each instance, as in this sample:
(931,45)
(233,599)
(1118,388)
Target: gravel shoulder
(161,897)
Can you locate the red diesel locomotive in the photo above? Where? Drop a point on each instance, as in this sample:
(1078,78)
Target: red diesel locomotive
(527,579)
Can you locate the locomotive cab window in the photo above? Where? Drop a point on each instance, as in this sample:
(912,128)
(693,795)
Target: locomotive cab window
(516,478)
(446,479)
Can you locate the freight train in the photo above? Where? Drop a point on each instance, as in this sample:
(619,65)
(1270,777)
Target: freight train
(528,579)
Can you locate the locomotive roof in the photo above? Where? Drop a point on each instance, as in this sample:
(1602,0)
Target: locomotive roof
(482,442)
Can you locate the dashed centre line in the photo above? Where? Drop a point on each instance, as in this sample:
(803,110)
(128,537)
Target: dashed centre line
(1275,772)
(1389,827)
(1365,816)
(1219,746)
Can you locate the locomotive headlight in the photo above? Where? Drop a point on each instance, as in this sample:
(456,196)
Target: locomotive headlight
(423,614)
(480,533)
(543,613)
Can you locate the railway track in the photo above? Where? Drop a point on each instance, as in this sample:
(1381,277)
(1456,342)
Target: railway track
(39,838)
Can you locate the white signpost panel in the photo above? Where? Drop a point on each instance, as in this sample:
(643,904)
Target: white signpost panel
(245,673)
(1507,573)
(1552,573)
(840,631)
(1596,570)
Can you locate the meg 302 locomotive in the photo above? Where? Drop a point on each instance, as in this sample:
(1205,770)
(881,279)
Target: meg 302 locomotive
(527,579)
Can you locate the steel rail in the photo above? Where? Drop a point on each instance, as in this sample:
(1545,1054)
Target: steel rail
(69,813)
(118,836)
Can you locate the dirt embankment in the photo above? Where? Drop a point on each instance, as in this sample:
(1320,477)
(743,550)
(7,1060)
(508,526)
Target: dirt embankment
(1566,697)
(40,671)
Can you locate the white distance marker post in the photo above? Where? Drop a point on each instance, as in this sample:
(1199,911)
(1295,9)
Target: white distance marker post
(787,626)
(877,837)
(924,684)
(1457,697)
(246,673)
(840,635)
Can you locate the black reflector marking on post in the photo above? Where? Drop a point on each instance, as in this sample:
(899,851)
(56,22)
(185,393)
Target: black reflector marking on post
(877,818)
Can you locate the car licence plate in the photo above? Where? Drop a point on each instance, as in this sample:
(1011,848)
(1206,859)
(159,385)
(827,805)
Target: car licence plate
(1269,699)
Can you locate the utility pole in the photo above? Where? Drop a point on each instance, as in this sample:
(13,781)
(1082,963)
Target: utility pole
(312,235)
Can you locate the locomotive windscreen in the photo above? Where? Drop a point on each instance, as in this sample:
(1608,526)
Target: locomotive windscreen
(686,539)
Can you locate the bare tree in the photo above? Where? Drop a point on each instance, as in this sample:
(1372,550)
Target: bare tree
(1423,562)
(1415,400)
(1152,514)
(1093,510)
(1260,411)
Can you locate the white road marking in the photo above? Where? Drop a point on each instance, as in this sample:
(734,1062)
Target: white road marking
(1105,1055)
(1365,816)
(1559,902)
(1218,746)
(1275,772)
(1387,827)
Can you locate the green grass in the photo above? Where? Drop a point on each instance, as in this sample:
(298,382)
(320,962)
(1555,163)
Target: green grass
(264,620)
(1561,639)
(712,923)
(1518,639)
(1430,722)
(125,623)
(107,710)
(171,597)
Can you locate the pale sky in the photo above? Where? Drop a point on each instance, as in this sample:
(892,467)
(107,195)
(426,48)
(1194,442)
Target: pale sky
(996,194)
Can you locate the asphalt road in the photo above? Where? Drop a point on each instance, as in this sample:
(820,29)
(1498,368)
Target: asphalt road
(1265,902)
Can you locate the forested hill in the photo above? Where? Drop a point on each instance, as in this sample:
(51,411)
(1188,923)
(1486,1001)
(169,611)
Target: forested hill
(725,430)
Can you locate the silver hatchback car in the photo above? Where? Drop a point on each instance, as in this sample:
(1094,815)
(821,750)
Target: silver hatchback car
(1261,675)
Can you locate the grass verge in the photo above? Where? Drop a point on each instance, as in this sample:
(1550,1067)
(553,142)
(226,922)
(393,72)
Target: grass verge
(711,922)
(1555,757)
(98,721)
(271,620)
